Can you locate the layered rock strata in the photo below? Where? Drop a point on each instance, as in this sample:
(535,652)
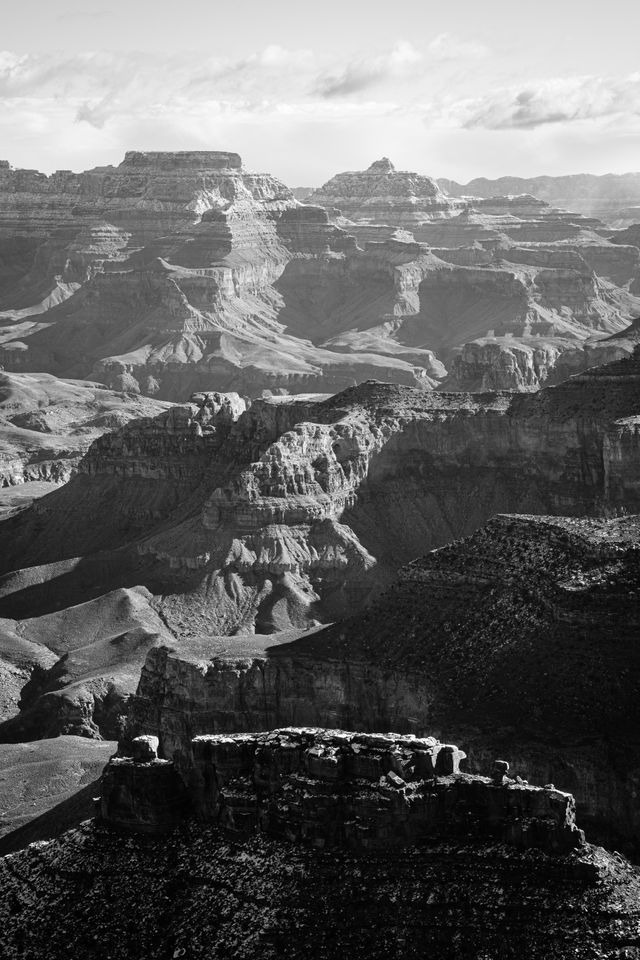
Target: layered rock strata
(162,275)
(382,194)
(523,278)
(519,640)
(294,512)
(332,788)
(175,273)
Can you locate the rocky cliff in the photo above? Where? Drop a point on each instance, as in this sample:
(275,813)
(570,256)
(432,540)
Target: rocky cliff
(517,268)
(181,272)
(333,788)
(320,843)
(161,275)
(281,517)
(291,512)
(520,639)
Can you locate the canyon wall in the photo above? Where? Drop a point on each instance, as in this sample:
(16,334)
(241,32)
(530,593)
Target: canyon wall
(289,513)
(175,273)
(518,640)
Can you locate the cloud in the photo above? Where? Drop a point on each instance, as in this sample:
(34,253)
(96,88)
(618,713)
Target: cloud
(560,100)
(107,81)
(365,72)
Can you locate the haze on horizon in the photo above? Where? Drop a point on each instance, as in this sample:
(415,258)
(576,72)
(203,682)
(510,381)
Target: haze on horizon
(306,90)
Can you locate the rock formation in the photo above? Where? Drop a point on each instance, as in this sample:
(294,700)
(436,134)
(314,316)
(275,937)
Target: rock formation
(169,274)
(287,514)
(517,270)
(321,843)
(291,512)
(382,194)
(519,640)
(181,272)
(332,788)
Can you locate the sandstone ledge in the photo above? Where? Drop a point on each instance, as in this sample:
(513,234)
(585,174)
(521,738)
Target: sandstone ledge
(332,788)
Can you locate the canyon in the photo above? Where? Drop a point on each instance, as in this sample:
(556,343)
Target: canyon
(235,531)
(279,477)
(180,272)
(531,293)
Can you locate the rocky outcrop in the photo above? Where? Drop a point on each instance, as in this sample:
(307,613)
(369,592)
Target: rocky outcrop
(518,640)
(382,194)
(524,363)
(332,788)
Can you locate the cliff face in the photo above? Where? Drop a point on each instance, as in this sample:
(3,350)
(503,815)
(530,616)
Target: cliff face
(332,788)
(291,512)
(518,640)
(523,363)
(518,268)
(181,272)
(160,275)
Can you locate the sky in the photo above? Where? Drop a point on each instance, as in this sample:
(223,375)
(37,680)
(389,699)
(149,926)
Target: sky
(454,88)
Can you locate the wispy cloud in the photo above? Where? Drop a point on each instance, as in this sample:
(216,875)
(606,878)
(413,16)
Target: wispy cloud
(403,62)
(365,72)
(560,100)
(65,108)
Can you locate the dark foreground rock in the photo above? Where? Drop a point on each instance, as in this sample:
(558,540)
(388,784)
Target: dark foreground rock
(334,788)
(101,894)
(521,639)
(309,843)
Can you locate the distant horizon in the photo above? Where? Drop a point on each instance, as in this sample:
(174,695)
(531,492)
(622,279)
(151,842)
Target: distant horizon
(299,184)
